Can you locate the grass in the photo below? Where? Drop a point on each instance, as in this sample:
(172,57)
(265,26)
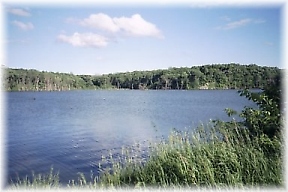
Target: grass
(49,181)
(222,155)
(202,158)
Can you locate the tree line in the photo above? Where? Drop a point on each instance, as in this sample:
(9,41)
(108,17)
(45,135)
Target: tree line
(213,76)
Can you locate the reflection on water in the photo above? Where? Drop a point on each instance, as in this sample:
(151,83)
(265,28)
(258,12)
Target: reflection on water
(72,130)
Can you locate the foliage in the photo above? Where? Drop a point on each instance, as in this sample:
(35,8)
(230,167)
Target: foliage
(267,118)
(264,123)
(215,76)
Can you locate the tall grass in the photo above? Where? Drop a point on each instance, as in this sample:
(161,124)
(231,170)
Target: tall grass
(37,181)
(222,155)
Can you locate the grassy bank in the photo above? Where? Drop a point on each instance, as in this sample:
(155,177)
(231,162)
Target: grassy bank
(222,156)
(214,158)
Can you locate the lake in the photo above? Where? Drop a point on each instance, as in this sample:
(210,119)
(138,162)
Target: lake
(71,130)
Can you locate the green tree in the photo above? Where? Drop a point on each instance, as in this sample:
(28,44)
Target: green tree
(233,76)
(267,119)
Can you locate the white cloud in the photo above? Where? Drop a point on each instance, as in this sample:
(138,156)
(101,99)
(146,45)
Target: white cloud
(133,26)
(84,40)
(237,24)
(24,26)
(137,26)
(19,12)
(100,21)
(240,23)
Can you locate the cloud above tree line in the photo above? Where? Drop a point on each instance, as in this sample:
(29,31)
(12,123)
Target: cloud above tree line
(19,12)
(84,40)
(23,26)
(239,23)
(134,26)
(22,13)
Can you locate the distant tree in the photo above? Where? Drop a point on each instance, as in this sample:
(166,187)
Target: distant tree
(228,76)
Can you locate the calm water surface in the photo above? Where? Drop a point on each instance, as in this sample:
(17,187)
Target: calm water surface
(71,130)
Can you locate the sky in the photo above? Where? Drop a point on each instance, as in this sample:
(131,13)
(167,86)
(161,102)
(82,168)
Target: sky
(101,39)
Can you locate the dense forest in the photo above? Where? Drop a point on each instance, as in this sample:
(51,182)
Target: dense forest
(214,76)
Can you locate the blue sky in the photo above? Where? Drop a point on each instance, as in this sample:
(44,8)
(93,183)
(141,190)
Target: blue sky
(108,39)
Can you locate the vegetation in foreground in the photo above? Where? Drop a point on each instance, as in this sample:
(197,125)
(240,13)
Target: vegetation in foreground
(224,154)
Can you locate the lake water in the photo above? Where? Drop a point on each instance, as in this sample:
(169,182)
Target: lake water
(71,130)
